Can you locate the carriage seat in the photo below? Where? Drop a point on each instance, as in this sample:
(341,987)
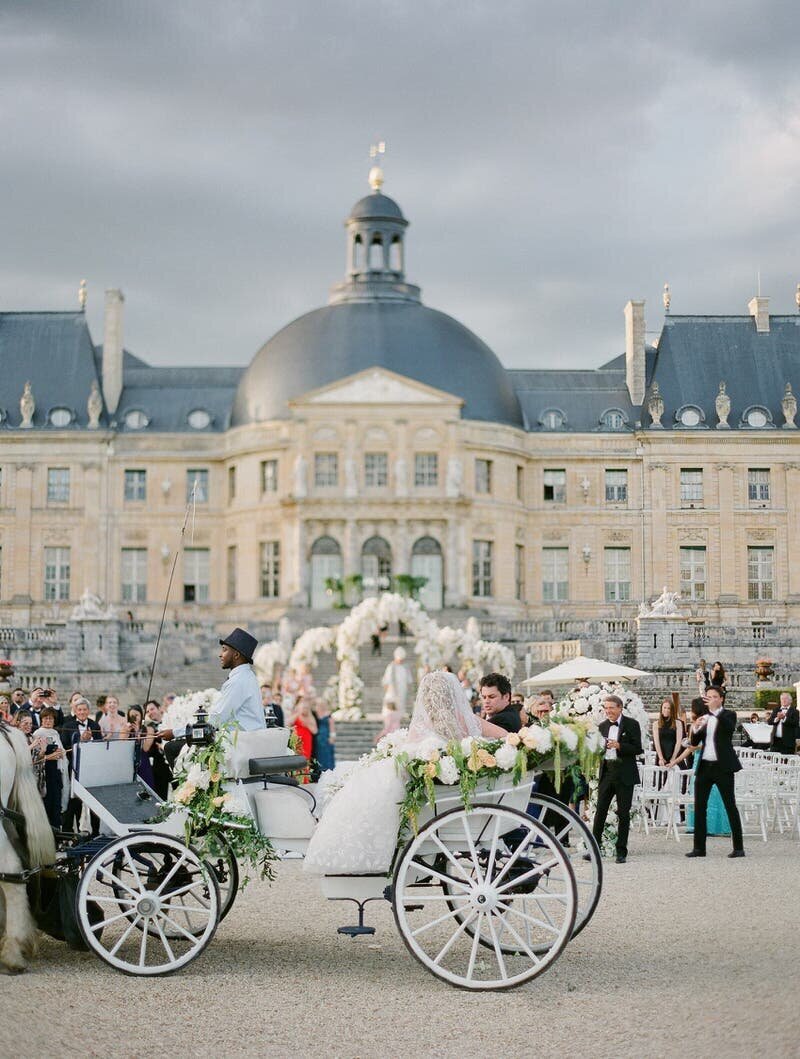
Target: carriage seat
(277,766)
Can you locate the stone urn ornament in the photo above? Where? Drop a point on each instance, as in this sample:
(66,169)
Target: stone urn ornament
(27,406)
(723,408)
(764,669)
(789,408)
(655,406)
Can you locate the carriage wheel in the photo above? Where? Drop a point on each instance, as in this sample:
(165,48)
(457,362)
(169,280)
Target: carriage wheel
(154,920)
(579,844)
(154,864)
(520,903)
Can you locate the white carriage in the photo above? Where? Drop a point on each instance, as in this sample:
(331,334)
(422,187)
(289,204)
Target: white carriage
(485,897)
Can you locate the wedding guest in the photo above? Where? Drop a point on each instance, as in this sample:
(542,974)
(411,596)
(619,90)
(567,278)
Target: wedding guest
(271,702)
(712,734)
(56,776)
(111,720)
(718,677)
(702,676)
(537,711)
(717,822)
(78,728)
(517,699)
(324,751)
(667,734)
(155,735)
(304,724)
(495,691)
(100,703)
(784,720)
(618,772)
(18,700)
(5,708)
(396,683)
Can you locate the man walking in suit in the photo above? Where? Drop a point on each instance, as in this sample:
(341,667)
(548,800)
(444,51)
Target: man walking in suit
(718,765)
(784,721)
(78,728)
(618,772)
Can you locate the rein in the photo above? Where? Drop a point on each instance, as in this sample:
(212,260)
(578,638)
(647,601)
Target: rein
(14,825)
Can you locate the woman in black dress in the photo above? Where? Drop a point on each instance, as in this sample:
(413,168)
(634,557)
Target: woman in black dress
(667,734)
(718,676)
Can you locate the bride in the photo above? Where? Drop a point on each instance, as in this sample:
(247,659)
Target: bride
(358,831)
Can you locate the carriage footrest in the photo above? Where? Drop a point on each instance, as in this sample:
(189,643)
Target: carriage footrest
(85,850)
(276,766)
(354,932)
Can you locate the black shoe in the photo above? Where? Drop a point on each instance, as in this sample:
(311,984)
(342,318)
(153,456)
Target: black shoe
(621,860)
(736,853)
(695,853)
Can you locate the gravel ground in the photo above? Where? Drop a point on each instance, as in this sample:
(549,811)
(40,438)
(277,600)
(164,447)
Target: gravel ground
(689,958)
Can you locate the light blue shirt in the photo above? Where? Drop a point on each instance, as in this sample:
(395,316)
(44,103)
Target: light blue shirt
(240,701)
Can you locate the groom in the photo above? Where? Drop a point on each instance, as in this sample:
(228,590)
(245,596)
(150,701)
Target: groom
(718,766)
(618,772)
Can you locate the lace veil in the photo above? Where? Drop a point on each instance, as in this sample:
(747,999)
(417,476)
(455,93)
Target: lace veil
(441,710)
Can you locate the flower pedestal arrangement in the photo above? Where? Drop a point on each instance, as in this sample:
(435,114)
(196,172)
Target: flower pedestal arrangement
(6,671)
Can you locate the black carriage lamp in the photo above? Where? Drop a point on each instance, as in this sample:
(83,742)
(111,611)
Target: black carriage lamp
(199,732)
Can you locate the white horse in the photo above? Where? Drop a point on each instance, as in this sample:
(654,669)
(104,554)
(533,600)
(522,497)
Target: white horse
(19,793)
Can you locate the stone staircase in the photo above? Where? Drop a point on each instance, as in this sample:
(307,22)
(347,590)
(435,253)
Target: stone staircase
(354,738)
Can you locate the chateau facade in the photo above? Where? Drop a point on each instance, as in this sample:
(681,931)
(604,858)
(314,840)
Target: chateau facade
(377,437)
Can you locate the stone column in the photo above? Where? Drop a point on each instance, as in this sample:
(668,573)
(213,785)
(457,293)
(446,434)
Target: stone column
(658,527)
(298,585)
(792,487)
(402,562)
(726,556)
(402,468)
(350,548)
(19,564)
(451,567)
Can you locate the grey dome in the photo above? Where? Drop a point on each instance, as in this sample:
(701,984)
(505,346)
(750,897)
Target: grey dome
(405,337)
(374,207)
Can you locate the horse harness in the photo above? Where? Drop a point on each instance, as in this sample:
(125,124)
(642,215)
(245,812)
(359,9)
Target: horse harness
(14,825)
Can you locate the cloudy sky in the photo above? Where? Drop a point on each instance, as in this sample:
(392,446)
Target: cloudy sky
(554,159)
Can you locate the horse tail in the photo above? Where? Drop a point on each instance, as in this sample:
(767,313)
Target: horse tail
(25,799)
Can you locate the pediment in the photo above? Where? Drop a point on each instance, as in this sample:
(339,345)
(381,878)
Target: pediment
(378,386)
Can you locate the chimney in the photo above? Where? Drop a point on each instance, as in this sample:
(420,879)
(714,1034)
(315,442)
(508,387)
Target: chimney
(759,309)
(112,349)
(634,351)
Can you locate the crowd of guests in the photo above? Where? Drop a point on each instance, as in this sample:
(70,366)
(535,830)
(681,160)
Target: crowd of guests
(291,701)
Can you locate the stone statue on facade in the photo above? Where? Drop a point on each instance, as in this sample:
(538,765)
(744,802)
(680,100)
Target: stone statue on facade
(401,477)
(300,488)
(665,606)
(350,478)
(27,406)
(789,408)
(655,405)
(90,608)
(94,406)
(722,404)
(455,476)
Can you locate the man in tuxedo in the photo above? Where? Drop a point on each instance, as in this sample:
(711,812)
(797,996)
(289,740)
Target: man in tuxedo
(719,764)
(496,702)
(784,720)
(618,772)
(78,728)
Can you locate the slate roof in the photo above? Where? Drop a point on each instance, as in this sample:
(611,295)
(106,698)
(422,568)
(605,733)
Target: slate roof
(695,353)
(168,395)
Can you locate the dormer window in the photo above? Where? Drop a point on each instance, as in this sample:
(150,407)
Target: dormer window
(757,417)
(136,419)
(199,419)
(60,417)
(690,416)
(613,419)
(552,419)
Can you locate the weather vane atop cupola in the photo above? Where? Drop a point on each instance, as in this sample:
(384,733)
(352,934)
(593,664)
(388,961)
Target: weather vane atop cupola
(376,152)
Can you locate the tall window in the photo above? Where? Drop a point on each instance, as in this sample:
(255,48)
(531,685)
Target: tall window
(482,568)
(58,485)
(134,575)
(555,574)
(519,571)
(231,483)
(196,566)
(376,469)
(135,485)
(270,569)
(269,476)
(760,573)
(520,483)
(232,559)
(758,486)
(617,572)
(197,475)
(326,469)
(426,468)
(483,476)
(56,574)
(691,487)
(693,573)
(616,487)
(555,487)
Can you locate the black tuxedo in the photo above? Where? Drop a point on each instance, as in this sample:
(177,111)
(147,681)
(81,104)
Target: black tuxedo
(70,731)
(507,718)
(720,773)
(786,742)
(617,779)
(70,734)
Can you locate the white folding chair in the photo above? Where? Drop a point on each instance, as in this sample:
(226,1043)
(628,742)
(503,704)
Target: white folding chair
(656,791)
(752,799)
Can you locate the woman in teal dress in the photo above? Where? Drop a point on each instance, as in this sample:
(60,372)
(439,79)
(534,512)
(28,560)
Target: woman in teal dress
(716,817)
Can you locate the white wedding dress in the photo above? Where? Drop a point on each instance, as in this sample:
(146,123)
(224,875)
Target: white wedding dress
(357,834)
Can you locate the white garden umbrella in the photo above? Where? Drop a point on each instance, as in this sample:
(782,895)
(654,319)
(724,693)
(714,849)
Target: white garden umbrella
(580,668)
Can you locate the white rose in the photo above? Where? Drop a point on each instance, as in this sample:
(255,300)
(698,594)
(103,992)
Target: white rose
(424,750)
(594,741)
(198,777)
(542,738)
(448,770)
(568,738)
(467,745)
(506,757)
(581,706)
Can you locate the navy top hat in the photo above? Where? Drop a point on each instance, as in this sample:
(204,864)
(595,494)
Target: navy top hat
(242,642)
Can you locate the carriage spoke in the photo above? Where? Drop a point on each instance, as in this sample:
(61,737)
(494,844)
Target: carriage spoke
(172,871)
(416,899)
(165,943)
(513,857)
(521,941)
(143,946)
(530,919)
(497,950)
(115,901)
(124,937)
(475,942)
(110,875)
(421,866)
(186,890)
(457,864)
(493,848)
(539,869)
(107,922)
(134,869)
(197,911)
(451,913)
(454,937)
(179,928)
(472,850)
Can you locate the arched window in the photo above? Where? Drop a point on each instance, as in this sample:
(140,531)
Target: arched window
(136,419)
(60,417)
(396,254)
(690,415)
(613,419)
(326,566)
(757,417)
(376,263)
(427,562)
(325,546)
(358,254)
(552,419)
(376,564)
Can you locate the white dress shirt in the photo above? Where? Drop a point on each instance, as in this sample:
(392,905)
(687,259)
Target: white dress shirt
(779,726)
(240,701)
(613,733)
(710,750)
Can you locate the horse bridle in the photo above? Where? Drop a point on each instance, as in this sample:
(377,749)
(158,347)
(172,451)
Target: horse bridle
(15,827)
